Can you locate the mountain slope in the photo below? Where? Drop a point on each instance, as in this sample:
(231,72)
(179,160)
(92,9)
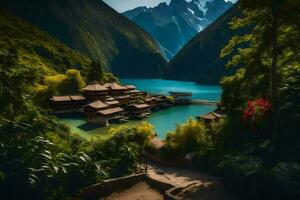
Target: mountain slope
(92,27)
(200,59)
(36,48)
(175,24)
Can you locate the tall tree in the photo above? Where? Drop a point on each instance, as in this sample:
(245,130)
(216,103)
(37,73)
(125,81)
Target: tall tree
(96,72)
(266,51)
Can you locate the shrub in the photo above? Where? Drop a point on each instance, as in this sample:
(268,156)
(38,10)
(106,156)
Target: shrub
(255,113)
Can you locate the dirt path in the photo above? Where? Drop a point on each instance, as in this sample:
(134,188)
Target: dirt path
(139,191)
(198,186)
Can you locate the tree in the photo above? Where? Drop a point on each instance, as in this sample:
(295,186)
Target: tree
(15,83)
(73,82)
(95,72)
(265,52)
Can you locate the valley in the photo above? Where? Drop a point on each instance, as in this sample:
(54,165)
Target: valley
(182,100)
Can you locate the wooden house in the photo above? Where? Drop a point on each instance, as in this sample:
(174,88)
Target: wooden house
(115,89)
(67,104)
(138,111)
(210,117)
(130,87)
(162,102)
(103,117)
(182,97)
(91,109)
(123,100)
(95,91)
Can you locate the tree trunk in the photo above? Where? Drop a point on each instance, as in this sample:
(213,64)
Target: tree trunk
(274,75)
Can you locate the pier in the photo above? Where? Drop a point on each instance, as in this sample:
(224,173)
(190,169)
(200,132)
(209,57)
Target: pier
(204,102)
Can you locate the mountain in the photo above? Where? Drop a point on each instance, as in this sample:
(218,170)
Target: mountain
(200,60)
(175,24)
(35,48)
(94,28)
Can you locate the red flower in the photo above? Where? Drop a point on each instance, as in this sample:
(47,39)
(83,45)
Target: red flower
(255,113)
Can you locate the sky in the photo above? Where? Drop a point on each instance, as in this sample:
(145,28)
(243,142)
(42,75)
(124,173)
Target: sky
(124,5)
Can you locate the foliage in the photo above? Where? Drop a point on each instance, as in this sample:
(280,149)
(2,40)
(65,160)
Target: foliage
(95,29)
(194,136)
(269,59)
(255,113)
(73,82)
(95,72)
(56,165)
(36,49)
(123,149)
(60,84)
(39,159)
(15,81)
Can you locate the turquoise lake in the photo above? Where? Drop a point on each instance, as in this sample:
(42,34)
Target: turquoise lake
(164,120)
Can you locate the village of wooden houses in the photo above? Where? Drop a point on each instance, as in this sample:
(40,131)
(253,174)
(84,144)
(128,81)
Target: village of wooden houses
(108,103)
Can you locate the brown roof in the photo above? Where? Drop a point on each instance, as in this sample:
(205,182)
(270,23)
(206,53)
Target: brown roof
(77,97)
(97,105)
(217,115)
(130,86)
(134,91)
(94,86)
(122,97)
(140,106)
(149,99)
(111,111)
(60,98)
(112,102)
(209,116)
(109,98)
(114,86)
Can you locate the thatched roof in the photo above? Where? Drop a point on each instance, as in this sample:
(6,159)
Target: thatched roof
(115,102)
(109,98)
(141,106)
(131,87)
(77,98)
(134,91)
(123,97)
(60,98)
(211,116)
(95,87)
(97,105)
(114,86)
(111,111)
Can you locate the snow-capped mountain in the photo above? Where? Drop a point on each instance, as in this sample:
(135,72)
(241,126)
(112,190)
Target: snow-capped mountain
(174,24)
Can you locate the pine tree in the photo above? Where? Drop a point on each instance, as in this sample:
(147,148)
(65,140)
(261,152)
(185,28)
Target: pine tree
(262,54)
(96,72)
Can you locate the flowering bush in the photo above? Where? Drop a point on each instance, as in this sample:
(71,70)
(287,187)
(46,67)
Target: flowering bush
(256,112)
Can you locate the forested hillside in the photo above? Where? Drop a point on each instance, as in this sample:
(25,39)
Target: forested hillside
(92,27)
(255,145)
(36,48)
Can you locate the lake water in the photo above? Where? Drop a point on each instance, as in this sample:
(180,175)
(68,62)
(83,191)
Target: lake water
(164,120)
(154,86)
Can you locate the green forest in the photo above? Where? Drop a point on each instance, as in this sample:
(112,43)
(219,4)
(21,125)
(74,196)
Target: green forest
(254,148)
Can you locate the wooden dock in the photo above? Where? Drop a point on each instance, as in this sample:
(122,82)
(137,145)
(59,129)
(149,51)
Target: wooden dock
(204,102)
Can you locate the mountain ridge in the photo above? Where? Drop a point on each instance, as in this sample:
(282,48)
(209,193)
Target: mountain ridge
(181,18)
(194,63)
(95,29)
